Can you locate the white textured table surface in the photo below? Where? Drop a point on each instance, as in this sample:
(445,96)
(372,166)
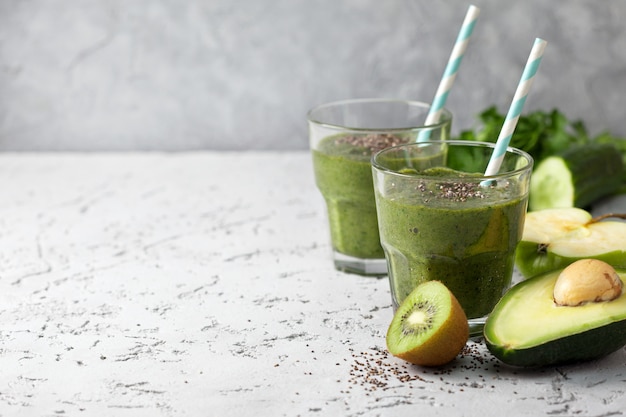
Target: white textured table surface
(201,284)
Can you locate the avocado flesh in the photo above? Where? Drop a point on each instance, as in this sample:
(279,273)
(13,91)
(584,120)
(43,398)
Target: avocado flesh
(526,328)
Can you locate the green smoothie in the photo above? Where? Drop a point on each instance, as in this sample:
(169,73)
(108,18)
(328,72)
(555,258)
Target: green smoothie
(343,174)
(453,230)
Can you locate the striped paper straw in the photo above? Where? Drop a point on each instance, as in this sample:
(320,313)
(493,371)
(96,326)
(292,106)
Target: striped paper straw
(516,107)
(450,72)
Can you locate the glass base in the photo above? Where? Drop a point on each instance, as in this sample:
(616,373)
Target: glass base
(360,266)
(476,327)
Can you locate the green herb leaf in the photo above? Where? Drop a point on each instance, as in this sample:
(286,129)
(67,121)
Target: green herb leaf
(540,133)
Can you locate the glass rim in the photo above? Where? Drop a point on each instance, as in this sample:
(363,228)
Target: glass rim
(446,114)
(472,143)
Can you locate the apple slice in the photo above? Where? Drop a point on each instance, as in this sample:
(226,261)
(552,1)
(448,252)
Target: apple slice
(555,238)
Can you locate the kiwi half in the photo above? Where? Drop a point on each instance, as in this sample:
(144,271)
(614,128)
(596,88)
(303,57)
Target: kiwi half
(429,328)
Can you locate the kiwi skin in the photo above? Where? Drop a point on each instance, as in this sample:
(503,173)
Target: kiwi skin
(445,342)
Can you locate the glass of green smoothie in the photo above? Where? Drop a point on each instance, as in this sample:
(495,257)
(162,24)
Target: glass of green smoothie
(343,137)
(449,222)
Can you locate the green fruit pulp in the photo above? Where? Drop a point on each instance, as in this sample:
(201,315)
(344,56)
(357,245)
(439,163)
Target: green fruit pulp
(431,293)
(526,328)
(551,185)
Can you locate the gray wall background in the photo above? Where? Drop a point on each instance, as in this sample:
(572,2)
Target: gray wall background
(241,74)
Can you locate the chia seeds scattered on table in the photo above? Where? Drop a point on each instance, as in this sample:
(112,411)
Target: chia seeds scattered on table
(377,369)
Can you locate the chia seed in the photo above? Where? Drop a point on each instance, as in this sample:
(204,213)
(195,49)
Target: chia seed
(372,142)
(377,370)
(454,191)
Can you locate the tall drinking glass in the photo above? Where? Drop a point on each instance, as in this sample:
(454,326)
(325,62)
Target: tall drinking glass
(343,137)
(447,221)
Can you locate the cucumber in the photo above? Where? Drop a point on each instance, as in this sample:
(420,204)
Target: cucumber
(576,177)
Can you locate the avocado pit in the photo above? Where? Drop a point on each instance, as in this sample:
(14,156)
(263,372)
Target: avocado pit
(587,281)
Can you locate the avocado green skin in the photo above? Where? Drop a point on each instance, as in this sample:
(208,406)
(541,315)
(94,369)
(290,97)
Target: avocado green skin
(530,262)
(592,344)
(583,346)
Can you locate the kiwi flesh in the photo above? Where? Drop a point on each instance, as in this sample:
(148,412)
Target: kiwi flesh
(429,328)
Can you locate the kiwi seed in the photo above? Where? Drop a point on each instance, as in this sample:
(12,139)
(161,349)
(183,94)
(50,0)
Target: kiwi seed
(422,323)
(429,328)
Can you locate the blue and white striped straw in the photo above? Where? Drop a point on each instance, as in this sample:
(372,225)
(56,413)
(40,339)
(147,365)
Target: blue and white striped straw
(515,110)
(450,72)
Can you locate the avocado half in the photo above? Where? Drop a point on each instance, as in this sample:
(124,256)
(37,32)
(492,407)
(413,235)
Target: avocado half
(526,328)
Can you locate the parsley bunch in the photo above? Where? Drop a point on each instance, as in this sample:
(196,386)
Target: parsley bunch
(540,133)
